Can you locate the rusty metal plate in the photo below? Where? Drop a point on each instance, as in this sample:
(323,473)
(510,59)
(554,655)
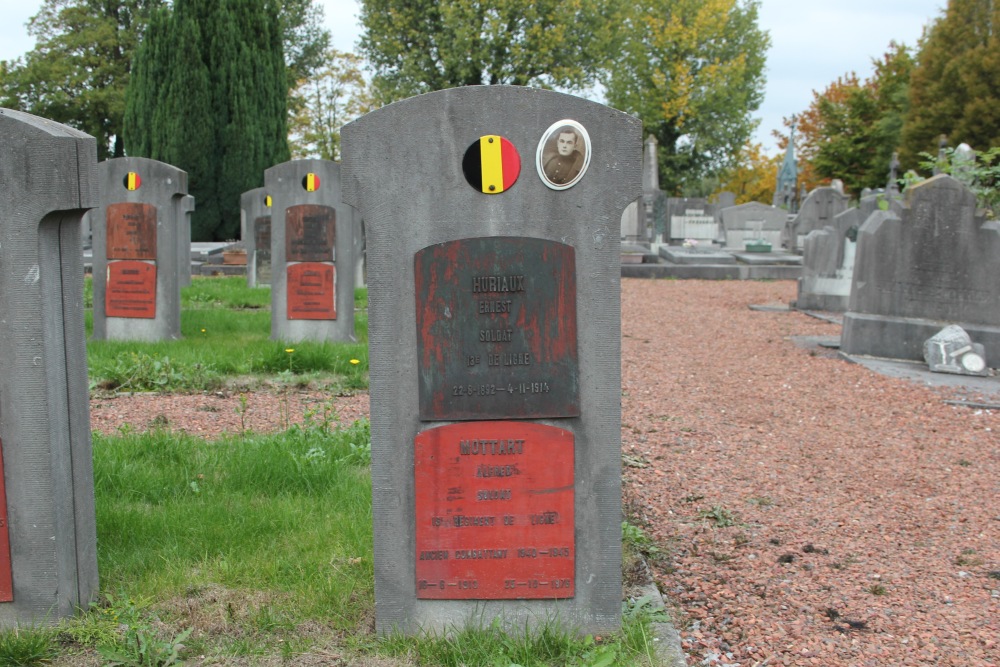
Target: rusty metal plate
(496,329)
(130,290)
(312,288)
(310,233)
(6,574)
(131,231)
(494,511)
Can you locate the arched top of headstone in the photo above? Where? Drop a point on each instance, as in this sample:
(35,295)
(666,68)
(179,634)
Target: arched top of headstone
(37,148)
(141,178)
(937,186)
(308,181)
(409,155)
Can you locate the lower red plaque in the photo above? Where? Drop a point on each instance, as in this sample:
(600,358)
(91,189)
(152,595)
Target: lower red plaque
(131,289)
(6,578)
(494,511)
(311,291)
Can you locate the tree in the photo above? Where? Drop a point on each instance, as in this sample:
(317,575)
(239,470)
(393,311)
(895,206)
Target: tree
(693,71)
(417,46)
(753,176)
(955,88)
(333,96)
(209,95)
(79,68)
(851,129)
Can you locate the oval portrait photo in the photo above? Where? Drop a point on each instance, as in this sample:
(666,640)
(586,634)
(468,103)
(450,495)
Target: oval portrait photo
(563,154)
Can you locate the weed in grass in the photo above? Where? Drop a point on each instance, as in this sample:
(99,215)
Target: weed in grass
(761,501)
(241,410)
(968,558)
(635,538)
(877,589)
(142,648)
(27,646)
(719,516)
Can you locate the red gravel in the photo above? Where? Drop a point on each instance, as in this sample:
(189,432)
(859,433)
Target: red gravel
(865,510)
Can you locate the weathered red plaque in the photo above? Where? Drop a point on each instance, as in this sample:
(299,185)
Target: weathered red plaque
(496,329)
(130,290)
(311,291)
(494,511)
(6,575)
(131,231)
(310,233)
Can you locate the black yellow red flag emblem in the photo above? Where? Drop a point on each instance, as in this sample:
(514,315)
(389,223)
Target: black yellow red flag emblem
(491,164)
(310,182)
(132,181)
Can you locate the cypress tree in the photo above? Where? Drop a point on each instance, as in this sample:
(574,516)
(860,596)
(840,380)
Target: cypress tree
(209,96)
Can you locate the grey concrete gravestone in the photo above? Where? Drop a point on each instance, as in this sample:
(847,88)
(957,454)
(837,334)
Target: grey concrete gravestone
(186,207)
(136,247)
(818,210)
(691,218)
(495,344)
(753,221)
(48,539)
(255,232)
(828,264)
(312,253)
(934,265)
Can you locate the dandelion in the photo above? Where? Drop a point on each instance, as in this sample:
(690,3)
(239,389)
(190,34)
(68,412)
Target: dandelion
(289,350)
(355,361)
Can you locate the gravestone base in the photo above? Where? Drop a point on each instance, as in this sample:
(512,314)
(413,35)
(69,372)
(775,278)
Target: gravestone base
(813,295)
(682,255)
(903,337)
(768,258)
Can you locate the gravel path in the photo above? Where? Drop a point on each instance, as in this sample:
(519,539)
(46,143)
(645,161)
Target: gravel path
(810,511)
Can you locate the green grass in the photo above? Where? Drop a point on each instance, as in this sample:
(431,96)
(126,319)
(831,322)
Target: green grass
(226,329)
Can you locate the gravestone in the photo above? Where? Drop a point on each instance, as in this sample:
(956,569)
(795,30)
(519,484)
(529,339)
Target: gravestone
(753,222)
(951,350)
(494,334)
(255,232)
(137,271)
(817,211)
(723,200)
(691,218)
(312,253)
(933,265)
(48,539)
(186,204)
(828,267)
(646,229)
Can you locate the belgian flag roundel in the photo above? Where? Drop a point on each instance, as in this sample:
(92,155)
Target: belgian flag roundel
(491,165)
(310,182)
(132,181)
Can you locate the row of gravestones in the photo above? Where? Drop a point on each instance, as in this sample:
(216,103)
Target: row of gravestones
(142,250)
(494,350)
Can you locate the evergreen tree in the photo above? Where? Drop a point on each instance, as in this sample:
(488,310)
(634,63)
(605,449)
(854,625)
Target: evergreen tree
(209,95)
(955,88)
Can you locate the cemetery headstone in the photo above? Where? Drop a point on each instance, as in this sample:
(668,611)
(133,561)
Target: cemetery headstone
(646,228)
(951,350)
(48,538)
(136,250)
(186,204)
(494,335)
(933,265)
(753,223)
(255,228)
(312,253)
(692,218)
(817,211)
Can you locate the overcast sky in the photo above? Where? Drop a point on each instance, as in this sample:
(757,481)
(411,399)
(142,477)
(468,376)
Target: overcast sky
(812,42)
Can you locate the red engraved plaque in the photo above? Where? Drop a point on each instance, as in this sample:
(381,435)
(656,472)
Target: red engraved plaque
(494,511)
(131,231)
(310,233)
(496,329)
(6,574)
(131,290)
(312,287)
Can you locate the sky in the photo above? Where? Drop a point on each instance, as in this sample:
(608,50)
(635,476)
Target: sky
(812,43)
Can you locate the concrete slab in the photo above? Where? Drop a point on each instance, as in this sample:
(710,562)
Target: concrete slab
(767,258)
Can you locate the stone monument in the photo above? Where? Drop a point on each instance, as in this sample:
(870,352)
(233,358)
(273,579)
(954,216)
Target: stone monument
(692,218)
(137,270)
(255,232)
(48,539)
(186,204)
(494,329)
(753,222)
(933,265)
(312,253)
(817,211)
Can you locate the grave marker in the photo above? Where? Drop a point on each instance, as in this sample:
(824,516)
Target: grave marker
(494,330)
(936,264)
(753,222)
(817,211)
(312,253)
(139,232)
(48,541)
(255,228)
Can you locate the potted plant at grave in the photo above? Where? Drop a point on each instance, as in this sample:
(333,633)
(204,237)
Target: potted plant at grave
(234,253)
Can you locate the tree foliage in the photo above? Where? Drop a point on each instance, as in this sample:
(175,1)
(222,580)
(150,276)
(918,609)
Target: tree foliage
(955,89)
(851,129)
(416,46)
(753,176)
(693,71)
(80,66)
(209,95)
(334,95)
